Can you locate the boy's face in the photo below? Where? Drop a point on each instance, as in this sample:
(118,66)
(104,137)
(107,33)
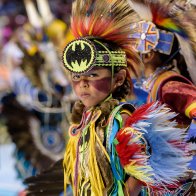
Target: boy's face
(92,87)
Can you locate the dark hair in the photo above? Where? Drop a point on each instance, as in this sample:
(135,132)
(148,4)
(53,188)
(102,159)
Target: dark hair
(125,89)
(175,54)
(109,45)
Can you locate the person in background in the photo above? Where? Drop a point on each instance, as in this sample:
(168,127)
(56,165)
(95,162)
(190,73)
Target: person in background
(165,39)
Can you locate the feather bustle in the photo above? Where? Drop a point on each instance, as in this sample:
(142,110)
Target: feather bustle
(153,134)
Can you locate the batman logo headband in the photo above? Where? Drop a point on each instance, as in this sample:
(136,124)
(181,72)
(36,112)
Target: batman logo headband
(149,37)
(81,55)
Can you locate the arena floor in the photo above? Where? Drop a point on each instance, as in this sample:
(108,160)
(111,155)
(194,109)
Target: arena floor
(9,184)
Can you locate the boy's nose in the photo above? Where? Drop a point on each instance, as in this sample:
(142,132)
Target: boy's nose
(84,83)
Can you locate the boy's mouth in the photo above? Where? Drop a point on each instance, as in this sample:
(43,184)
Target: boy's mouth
(84,95)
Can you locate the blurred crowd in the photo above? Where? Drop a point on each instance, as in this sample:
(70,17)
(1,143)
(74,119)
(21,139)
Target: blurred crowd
(35,93)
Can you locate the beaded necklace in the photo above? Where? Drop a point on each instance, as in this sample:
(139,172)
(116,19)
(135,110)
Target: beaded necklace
(149,82)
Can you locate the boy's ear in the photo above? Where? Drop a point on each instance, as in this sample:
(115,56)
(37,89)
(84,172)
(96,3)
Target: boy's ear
(148,57)
(120,77)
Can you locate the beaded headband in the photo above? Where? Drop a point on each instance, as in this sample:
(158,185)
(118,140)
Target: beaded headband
(149,37)
(81,55)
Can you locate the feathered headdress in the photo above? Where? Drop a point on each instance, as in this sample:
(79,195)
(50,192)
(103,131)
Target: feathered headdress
(160,24)
(34,18)
(100,21)
(40,17)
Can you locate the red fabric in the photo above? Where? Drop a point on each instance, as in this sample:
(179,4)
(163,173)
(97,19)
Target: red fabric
(178,95)
(175,91)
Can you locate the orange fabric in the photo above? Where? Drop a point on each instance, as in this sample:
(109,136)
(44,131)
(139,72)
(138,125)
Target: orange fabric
(191,110)
(192,113)
(158,82)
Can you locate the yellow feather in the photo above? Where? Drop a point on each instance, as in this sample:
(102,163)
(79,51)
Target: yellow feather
(136,171)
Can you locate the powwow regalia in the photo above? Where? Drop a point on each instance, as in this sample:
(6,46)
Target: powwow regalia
(169,31)
(162,27)
(103,150)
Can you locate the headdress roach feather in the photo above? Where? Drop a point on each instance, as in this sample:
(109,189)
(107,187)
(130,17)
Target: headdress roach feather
(107,20)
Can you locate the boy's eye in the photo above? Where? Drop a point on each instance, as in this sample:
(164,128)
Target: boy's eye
(92,75)
(86,77)
(75,77)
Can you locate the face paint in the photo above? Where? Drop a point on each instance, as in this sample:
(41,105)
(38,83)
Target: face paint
(103,85)
(92,87)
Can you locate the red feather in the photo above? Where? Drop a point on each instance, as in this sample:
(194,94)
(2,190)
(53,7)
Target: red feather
(139,114)
(124,149)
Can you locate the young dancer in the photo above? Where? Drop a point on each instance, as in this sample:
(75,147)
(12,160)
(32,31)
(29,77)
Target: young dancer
(114,150)
(166,44)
